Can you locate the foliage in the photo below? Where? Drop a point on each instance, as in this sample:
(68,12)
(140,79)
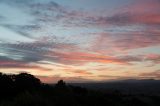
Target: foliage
(26,90)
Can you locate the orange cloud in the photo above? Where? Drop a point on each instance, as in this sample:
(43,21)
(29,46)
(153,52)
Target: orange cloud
(83,72)
(86,57)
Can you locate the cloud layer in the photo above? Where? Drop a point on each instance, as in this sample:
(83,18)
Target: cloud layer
(51,37)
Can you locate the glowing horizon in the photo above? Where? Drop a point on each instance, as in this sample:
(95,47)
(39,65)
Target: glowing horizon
(81,40)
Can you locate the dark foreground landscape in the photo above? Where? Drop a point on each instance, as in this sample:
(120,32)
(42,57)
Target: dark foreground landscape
(26,90)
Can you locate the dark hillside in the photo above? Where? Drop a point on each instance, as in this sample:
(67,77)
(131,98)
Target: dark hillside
(26,90)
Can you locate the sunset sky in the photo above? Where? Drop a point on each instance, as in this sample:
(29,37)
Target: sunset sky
(81,40)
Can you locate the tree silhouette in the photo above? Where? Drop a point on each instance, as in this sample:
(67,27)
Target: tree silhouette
(61,84)
(6,85)
(26,81)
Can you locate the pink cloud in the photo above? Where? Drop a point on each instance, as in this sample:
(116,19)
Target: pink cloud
(154,74)
(111,43)
(86,57)
(153,57)
(144,12)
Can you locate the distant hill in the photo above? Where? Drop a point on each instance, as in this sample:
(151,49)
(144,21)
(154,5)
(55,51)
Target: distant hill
(133,86)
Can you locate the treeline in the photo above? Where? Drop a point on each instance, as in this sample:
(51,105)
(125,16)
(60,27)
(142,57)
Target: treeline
(26,90)
(11,85)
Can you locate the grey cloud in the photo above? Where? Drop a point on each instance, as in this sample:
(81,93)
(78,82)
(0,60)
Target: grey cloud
(1,17)
(6,62)
(17,2)
(119,19)
(22,30)
(30,7)
(4,58)
(35,51)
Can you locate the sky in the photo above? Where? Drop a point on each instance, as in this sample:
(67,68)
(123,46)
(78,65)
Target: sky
(81,40)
